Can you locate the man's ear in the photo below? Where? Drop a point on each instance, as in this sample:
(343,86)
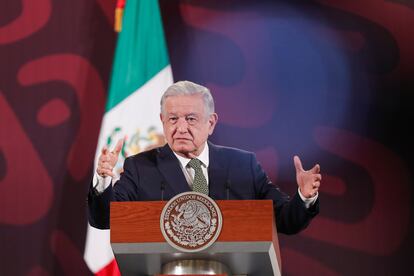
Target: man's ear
(212,120)
(161,117)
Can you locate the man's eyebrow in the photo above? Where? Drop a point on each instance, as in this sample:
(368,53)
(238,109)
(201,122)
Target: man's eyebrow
(185,115)
(191,114)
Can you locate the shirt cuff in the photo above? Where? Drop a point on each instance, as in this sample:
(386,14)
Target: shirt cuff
(101,183)
(308,201)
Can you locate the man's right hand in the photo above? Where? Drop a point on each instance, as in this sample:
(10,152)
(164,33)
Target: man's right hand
(108,159)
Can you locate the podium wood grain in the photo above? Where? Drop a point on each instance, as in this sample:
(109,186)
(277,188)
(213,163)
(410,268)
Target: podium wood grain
(243,221)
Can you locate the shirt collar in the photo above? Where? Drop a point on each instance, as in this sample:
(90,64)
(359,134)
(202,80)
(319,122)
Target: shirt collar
(203,157)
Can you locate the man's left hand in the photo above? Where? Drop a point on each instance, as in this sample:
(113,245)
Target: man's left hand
(308,181)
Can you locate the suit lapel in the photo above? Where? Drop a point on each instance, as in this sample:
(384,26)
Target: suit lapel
(170,168)
(217,173)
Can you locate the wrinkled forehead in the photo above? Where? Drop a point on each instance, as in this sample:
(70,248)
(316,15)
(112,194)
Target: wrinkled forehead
(184,104)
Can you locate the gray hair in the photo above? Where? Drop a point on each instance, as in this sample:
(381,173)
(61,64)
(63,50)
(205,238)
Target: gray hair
(189,88)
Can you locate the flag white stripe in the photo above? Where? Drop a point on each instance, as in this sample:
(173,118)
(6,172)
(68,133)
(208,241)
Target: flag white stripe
(139,110)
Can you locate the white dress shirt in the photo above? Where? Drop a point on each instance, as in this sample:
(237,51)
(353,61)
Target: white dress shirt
(190,172)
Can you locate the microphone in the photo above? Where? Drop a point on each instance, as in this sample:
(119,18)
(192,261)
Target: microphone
(162,187)
(228,185)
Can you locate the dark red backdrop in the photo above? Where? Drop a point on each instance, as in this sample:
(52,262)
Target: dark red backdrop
(328,80)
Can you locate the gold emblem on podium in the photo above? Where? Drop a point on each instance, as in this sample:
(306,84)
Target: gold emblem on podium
(191,222)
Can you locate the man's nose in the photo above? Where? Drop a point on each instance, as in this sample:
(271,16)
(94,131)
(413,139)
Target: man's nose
(182,125)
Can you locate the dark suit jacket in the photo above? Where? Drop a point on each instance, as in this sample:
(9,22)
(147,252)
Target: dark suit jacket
(148,173)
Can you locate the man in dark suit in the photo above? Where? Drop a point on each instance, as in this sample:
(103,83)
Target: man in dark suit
(189,162)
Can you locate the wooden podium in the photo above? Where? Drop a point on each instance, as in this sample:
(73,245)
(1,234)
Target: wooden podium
(247,245)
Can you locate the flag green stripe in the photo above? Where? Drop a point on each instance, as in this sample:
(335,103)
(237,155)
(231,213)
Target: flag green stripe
(140,52)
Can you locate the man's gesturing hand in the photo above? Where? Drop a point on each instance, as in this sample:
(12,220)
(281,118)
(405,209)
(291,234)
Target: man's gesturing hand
(107,160)
(308,181)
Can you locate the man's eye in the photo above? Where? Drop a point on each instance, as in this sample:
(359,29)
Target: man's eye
(172,119)
(191,120)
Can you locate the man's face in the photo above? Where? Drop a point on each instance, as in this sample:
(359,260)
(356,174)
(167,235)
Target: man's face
(186,125)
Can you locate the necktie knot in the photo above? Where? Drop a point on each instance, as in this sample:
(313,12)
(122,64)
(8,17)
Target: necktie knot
(195,163)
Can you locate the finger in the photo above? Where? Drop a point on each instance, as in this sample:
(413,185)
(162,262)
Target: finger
(310,193)
(104,150)
(118,146)
(103,159)
(298,164)
(110,158)
(105,172)
(316,169)
(106,166)
(109,173)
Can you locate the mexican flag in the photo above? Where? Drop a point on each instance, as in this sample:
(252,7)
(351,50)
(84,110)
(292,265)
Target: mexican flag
(141,73)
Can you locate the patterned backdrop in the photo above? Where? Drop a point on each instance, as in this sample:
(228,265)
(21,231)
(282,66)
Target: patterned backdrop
(328,80)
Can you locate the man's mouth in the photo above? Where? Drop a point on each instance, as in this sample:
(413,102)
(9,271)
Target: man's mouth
(182,139)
